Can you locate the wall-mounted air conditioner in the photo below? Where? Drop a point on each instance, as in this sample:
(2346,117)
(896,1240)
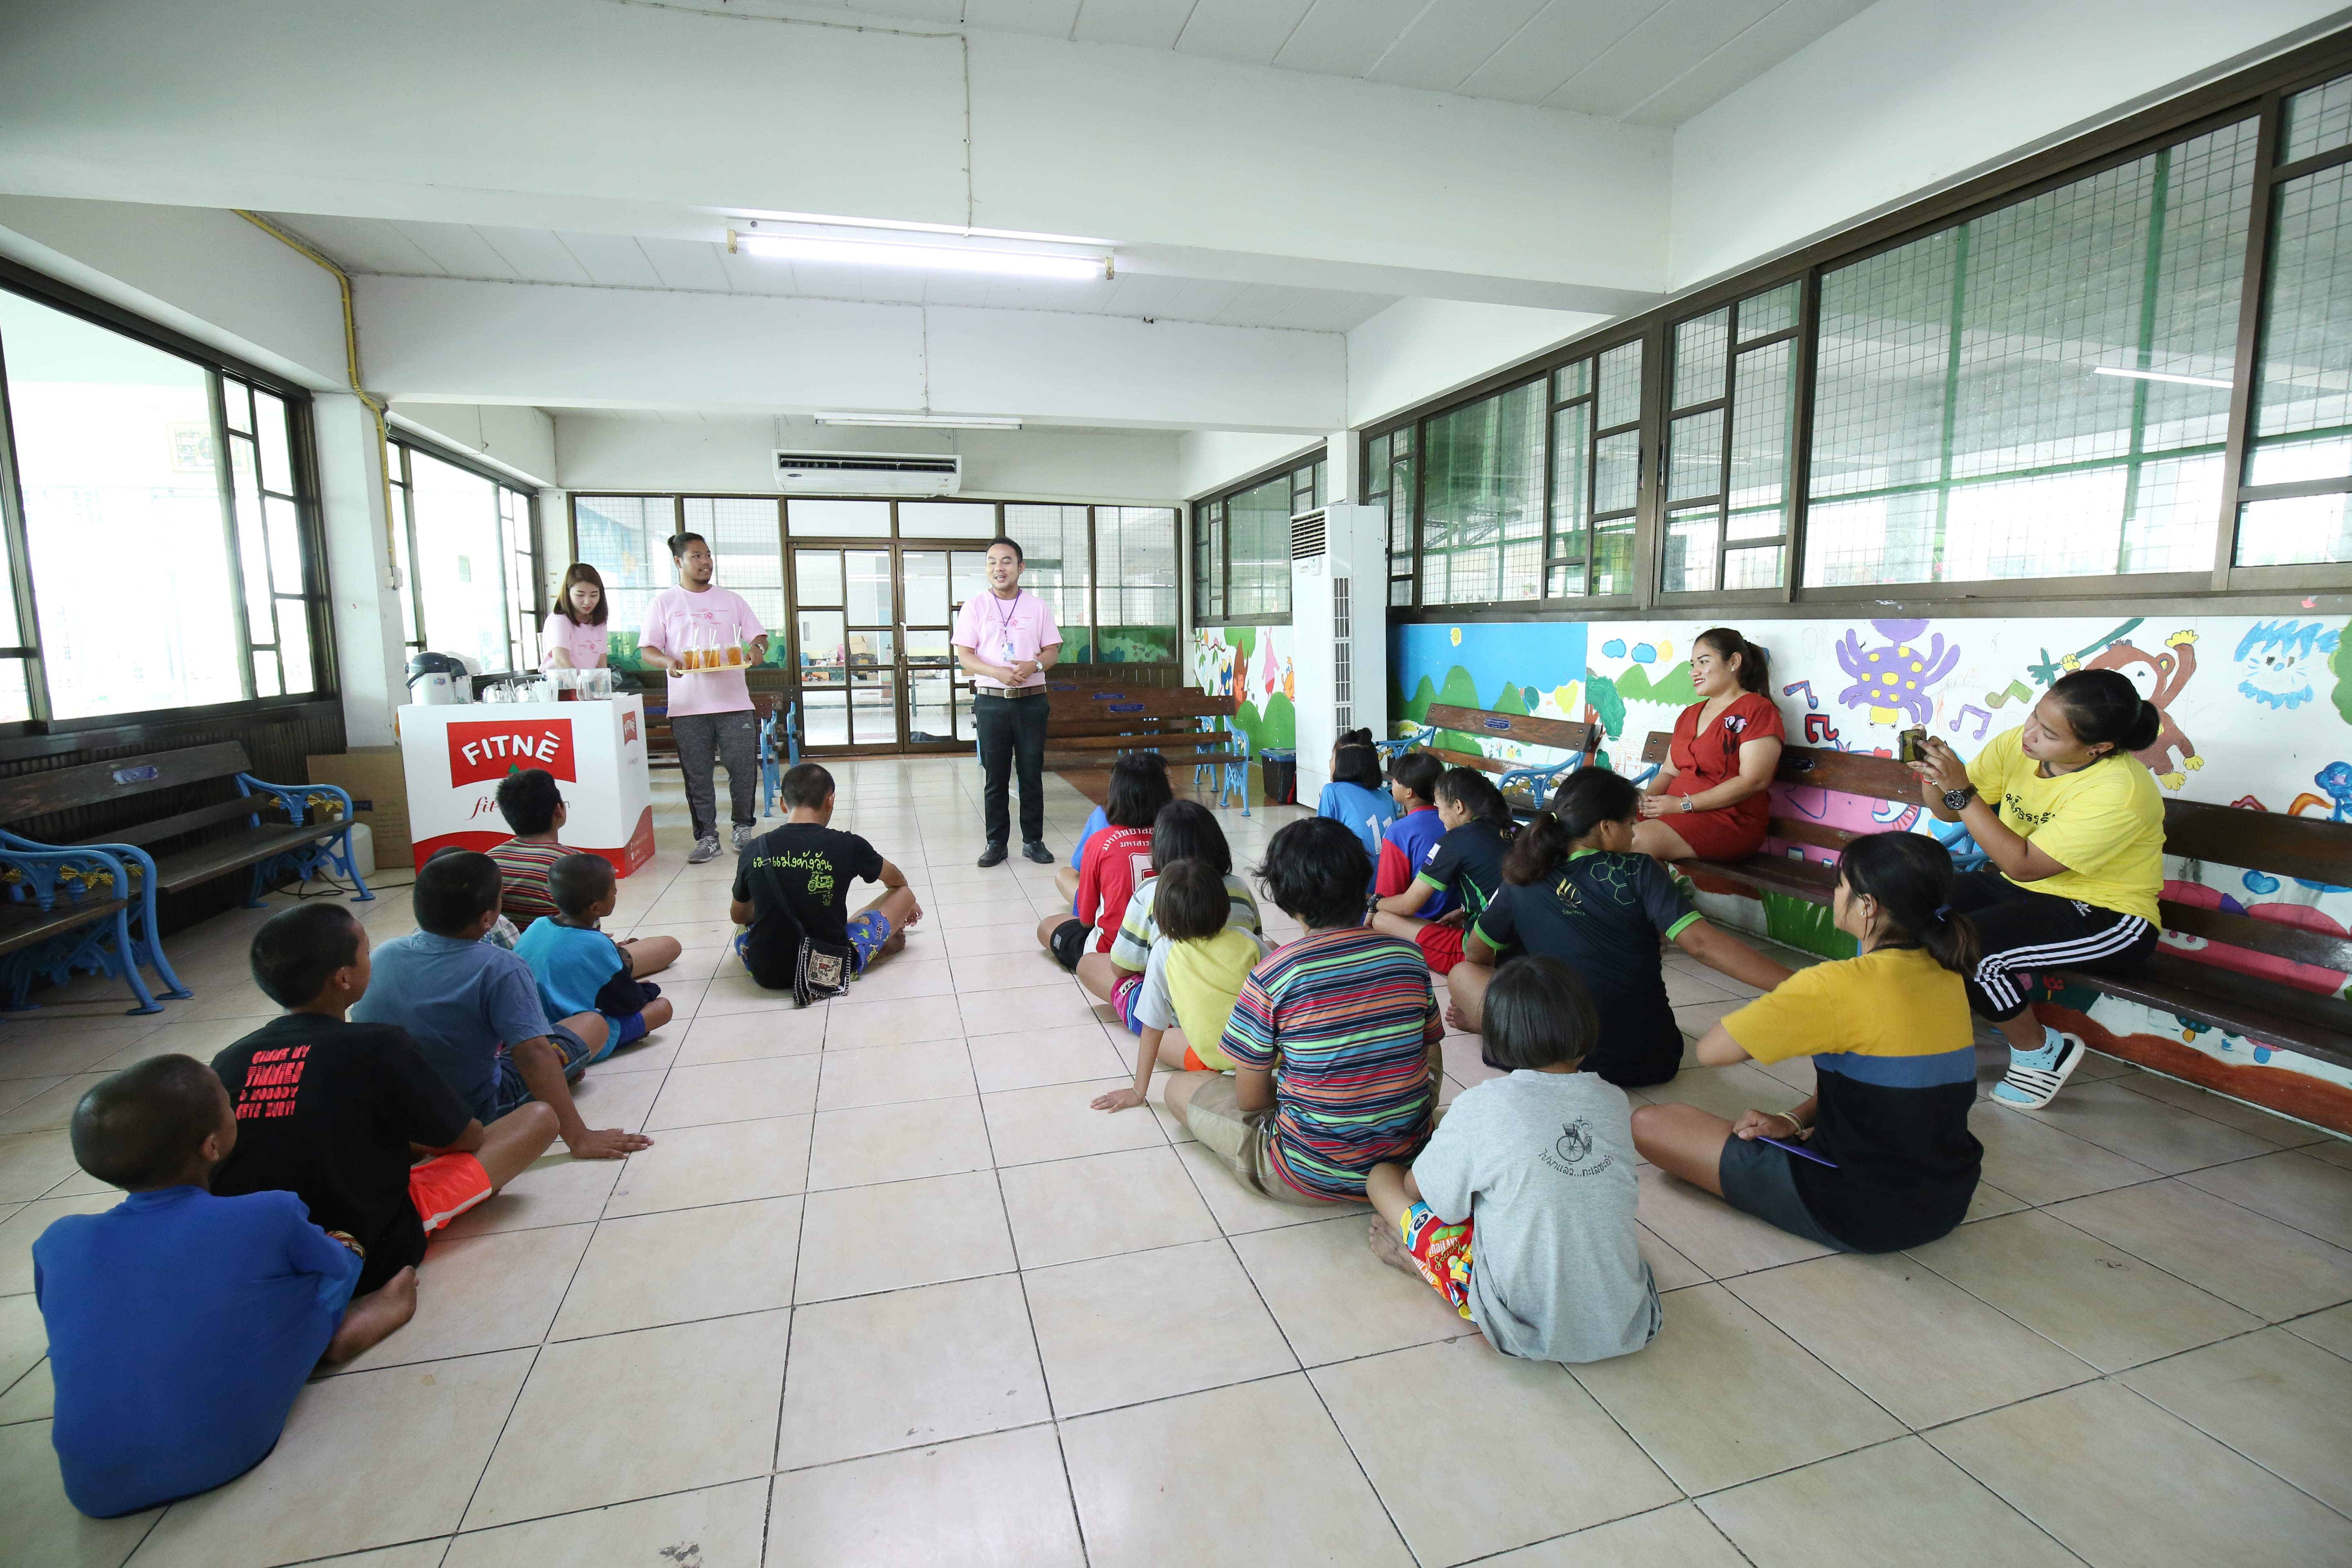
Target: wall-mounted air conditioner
(868,474)
(1339,614)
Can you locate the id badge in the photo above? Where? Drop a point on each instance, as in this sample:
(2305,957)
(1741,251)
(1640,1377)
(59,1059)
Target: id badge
(1008,650)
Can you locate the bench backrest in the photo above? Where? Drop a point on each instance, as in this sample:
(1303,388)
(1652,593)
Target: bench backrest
(1526,728)
(95,784)
(1116,704)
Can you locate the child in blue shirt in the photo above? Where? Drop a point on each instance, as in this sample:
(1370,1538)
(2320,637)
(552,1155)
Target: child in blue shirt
(578,968)
(1359,796)
(182,1325)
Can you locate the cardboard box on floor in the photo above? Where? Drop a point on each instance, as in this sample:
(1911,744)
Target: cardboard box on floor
(379,791)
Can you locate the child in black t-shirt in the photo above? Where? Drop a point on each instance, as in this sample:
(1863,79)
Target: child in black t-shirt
(790,883)
(329,1109)
(1466,862)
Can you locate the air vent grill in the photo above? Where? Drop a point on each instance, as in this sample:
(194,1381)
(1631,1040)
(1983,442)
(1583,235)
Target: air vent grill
(1306,537)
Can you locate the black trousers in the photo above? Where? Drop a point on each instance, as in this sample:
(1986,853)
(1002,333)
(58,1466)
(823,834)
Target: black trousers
(2018,929)
(1012,730)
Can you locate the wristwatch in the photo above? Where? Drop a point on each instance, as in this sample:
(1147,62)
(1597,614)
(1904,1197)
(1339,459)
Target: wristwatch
(1956,799)
(1686,803)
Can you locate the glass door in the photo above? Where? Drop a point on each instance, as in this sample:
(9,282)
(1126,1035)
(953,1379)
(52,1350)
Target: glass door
(871,653)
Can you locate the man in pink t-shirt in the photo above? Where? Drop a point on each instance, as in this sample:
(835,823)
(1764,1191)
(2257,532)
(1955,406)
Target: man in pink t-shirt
(1006,640)
(710,712)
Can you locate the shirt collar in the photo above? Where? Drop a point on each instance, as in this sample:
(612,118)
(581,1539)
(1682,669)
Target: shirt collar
(161,1197)
(434,941)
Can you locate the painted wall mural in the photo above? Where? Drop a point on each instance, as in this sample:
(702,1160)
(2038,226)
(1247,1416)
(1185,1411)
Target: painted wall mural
(2225,685)
(1255,663)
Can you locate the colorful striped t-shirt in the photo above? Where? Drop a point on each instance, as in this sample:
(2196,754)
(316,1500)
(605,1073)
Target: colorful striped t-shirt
(1339,1018)
(522,870)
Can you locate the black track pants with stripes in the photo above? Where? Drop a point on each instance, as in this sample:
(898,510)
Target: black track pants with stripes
(2021,933)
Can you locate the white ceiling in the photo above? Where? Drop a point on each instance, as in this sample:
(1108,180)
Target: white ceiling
(416,249)
(1654,62)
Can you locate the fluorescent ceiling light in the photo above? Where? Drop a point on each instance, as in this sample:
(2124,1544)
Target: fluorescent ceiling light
(2161,375)
(767,222)
(935,255)
(922,421)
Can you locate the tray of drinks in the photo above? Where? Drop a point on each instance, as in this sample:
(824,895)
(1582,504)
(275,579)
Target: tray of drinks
(713,660)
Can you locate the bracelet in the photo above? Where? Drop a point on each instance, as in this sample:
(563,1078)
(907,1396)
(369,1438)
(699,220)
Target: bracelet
(1789,1117)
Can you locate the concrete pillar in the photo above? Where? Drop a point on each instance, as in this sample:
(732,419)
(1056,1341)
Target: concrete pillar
(370,654)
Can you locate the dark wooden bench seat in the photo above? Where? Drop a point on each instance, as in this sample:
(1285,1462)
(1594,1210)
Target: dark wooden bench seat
(2259,1007)
(1092,724)
(263,828)
(1528,786)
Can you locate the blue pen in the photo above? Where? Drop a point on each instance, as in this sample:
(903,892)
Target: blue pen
(1799,1150)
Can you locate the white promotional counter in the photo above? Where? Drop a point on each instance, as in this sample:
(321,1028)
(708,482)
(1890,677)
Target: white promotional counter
(454,754)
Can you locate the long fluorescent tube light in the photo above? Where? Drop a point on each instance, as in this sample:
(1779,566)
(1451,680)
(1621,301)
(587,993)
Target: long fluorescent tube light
(935,257)
(2161,375)
(922,421)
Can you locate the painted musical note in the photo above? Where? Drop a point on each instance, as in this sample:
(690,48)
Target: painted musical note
(1806,686)
(1817,728)
(2017,688)
(1984,720)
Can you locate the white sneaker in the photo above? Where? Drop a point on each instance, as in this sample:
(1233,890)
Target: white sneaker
(743,837)
(705,848)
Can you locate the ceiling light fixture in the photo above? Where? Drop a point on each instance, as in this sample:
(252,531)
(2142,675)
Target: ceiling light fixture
(922,421)
(2161,375)
(942,255)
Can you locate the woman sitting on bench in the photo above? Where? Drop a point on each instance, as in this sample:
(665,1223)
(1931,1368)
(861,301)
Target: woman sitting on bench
(1708,801)
(1574,889)
(2073,825)
(1887,1159)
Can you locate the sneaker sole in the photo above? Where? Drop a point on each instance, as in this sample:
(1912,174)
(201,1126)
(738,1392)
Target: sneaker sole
(2037,1086)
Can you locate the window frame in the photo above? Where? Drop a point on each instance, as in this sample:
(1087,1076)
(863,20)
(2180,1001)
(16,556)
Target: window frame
(302,453)
(2258,93)
(403,443)
(1193,517)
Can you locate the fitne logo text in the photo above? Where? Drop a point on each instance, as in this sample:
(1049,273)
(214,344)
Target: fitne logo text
(479,750)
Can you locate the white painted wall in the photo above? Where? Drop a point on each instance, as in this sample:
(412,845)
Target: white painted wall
(518,439)
(1209,461)
(1912,95)
(596,453)
(369,655)
(1417,349)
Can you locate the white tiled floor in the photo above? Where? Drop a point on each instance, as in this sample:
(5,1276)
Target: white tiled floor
(886,1292)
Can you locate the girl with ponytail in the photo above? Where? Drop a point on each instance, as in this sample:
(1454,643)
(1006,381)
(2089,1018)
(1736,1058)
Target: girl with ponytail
(1707,800)
(2073,827)
(1574,888)
(1889,1162)
(1467,865)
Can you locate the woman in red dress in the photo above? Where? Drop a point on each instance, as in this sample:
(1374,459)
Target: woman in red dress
(1708,801)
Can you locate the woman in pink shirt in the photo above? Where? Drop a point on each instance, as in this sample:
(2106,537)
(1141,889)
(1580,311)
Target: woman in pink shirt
(574,637)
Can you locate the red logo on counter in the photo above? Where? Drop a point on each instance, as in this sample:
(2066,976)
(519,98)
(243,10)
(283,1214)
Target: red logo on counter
(491,751)
(629,725)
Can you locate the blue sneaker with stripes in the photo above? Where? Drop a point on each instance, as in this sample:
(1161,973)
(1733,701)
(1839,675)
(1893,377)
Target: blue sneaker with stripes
(2034,1078)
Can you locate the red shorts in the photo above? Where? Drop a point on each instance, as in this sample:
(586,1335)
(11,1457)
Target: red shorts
(445,1186)
(1440,1251)
(1440,945)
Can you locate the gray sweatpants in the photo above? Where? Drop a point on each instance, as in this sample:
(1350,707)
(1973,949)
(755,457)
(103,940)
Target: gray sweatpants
(729,738)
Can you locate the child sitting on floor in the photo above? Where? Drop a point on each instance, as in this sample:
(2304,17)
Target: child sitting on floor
(578,968)
(1195,972)
(533,806)
(1184,830)
(334,1111)
(1534,1174)
(1405,843)
(1333,1039)
(1465,866)
(182,1325)
(792,883)
(1115,860)
(1065,880)
(1356,795)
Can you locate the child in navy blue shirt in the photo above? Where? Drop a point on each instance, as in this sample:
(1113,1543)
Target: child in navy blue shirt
(182,1325)
(578,968)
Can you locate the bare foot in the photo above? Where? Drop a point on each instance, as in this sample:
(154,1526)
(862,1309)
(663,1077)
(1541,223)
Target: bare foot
(1454,1018)
(1389,1249)
(370,1320)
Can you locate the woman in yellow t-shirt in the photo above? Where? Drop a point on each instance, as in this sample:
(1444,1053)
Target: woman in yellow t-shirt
(2073,824)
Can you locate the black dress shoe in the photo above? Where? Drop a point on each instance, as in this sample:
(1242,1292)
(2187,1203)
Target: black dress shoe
(1036,850)
(992,855)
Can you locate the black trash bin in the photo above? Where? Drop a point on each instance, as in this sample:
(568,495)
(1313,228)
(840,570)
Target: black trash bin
(1280,768)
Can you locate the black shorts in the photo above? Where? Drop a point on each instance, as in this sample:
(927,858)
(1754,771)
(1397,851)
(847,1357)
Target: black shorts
(1069,943)
(2021,932)
(1758,1178)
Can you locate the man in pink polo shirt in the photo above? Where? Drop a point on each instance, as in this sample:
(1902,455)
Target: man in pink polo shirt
(1006,640)
(710,712)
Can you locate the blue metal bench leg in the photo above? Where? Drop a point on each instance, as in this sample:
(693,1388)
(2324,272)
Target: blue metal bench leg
(350,866)
(129,955)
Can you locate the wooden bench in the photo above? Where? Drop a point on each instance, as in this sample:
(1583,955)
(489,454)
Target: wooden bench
(265,829)
(1528,787)
(1093,724)
(2258,1006)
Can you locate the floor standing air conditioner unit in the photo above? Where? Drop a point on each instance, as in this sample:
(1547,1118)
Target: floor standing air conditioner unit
(1338,617)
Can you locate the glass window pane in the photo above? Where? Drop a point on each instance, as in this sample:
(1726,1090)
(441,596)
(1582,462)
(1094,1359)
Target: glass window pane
(2302,391)
(1756,568)
(109,476)
(265,676)
(1399,590)
(1135,558)
(1616,471)
(1259,521)
(269,429)
(923,579)
(822,519)
(1613,557)
(284,521)
(461,574)
(868,588)
(967,575)
(1376,465)
(816,576)
(622,537)
(2318,120)
(2295,530)
(1620,385)
(294,647)
(1688,564)
(1400,512)
(253,558)
(236,404)
(1484,486)
(748,553)
(947,520)
(824,717)
(1694,456)
(1702,347)
(16,704)
(1566,582)
(1057,569)
(1572,445)
(1774,311)
(823,645)
(2004,355)
(1571,381)
(408,577)
(1763,409)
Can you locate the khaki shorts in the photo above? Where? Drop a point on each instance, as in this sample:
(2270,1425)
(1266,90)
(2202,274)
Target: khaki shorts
(1241,1139)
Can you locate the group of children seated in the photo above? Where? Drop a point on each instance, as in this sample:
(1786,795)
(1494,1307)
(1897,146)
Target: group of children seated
(280,1199)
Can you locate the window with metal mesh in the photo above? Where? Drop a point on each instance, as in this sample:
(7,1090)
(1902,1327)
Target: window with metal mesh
(2040,392)
(747,543)
(1595,477)
(1057,567)
(1481,512)
(1134,592)
(1257,522)
(1732,406)
(623,538)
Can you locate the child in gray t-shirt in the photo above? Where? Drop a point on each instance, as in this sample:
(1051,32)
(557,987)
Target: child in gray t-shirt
(1540,1166)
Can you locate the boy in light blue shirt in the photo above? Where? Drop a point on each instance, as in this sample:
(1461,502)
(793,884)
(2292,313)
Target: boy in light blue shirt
(578,968)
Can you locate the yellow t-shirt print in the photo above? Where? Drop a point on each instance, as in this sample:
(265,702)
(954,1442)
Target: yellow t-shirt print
(2104,822)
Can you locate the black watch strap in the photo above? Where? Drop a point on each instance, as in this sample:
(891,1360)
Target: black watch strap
(1957,799)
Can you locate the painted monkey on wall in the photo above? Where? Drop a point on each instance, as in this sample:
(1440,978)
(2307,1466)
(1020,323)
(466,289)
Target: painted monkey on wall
(2160,677)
